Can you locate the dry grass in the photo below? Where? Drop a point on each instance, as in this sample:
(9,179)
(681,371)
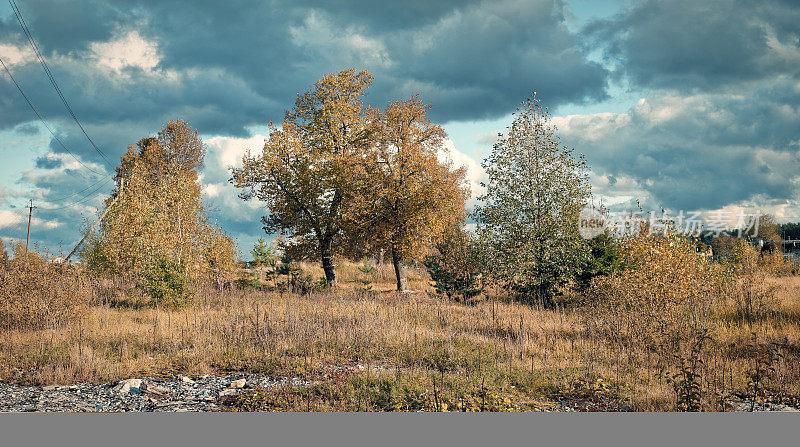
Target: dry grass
(483,346)
(382,277)
(416,351)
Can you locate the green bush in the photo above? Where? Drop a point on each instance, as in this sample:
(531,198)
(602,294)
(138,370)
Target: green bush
(97,260)
(606,258)
(457,265)
(167,284)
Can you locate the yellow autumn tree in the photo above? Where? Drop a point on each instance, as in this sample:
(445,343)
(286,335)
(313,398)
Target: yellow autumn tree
(309,168)
(411,193)
(156,215)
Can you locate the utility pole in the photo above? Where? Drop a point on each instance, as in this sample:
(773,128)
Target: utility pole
(30,216)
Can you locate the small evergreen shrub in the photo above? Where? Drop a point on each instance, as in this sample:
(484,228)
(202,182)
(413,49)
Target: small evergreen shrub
(167,284)
(457,265)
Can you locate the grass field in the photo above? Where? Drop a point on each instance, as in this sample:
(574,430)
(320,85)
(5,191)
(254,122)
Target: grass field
(378,350)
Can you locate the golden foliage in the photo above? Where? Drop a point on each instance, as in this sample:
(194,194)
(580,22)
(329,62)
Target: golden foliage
(344,179)
(306,172)
(662,297)
(157,213)
(35,293)
(412,190)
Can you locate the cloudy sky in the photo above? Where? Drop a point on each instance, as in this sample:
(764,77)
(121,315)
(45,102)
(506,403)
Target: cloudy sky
(685,105)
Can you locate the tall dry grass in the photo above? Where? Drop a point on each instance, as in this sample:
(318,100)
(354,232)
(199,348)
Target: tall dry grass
(431,353)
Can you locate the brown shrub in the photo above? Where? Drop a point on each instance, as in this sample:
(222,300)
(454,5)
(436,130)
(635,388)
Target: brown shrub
(662,299)
(35,293)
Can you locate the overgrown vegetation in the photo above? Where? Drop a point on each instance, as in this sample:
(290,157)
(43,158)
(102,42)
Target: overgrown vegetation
(35,293)
(156,232)
(524,314)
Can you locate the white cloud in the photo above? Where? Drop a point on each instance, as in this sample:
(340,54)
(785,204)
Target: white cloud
(487,139)
(129,50)
(13,55)
(211,189)
(475,173)
(228,151)
(348,46)
(592,127)
(10,218)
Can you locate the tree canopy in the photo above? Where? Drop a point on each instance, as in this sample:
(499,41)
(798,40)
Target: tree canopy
(412,193)
(156,213)
(529,215)
(309,167)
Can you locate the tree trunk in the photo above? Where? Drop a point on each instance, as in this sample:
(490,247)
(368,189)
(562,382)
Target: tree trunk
(399,270)
(327,265)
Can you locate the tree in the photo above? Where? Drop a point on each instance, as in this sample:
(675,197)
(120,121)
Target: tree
(219,254)
(263,254)
(156,215)
(410,196)
(768,229)
(457,264)
(308,169)
(790,231)
(529,218)
(263,257)
(605,259)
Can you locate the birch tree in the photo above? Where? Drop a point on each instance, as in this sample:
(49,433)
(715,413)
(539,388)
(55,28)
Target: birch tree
(529,216)
(156,213)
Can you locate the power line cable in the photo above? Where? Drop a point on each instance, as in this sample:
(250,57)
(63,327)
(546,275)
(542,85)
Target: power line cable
(52,79)
(91,195)
(39,115)
(79,192)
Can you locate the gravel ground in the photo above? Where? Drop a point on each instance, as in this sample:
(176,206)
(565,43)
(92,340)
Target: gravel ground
(203,393)
(139,394)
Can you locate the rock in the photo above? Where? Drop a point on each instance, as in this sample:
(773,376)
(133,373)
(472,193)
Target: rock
(187,380)
(228,392)
(51,387)
(127,386)
(238,383)
(158,391)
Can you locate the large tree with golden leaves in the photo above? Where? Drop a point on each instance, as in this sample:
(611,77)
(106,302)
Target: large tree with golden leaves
(412,193)
(156,212)
(310,167)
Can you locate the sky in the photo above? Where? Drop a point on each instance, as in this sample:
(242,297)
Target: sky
(681,105)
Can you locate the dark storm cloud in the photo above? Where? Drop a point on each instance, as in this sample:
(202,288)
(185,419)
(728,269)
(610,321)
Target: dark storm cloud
(44,162)
(688,45)
(226,66)
(241,63)
(719,122)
